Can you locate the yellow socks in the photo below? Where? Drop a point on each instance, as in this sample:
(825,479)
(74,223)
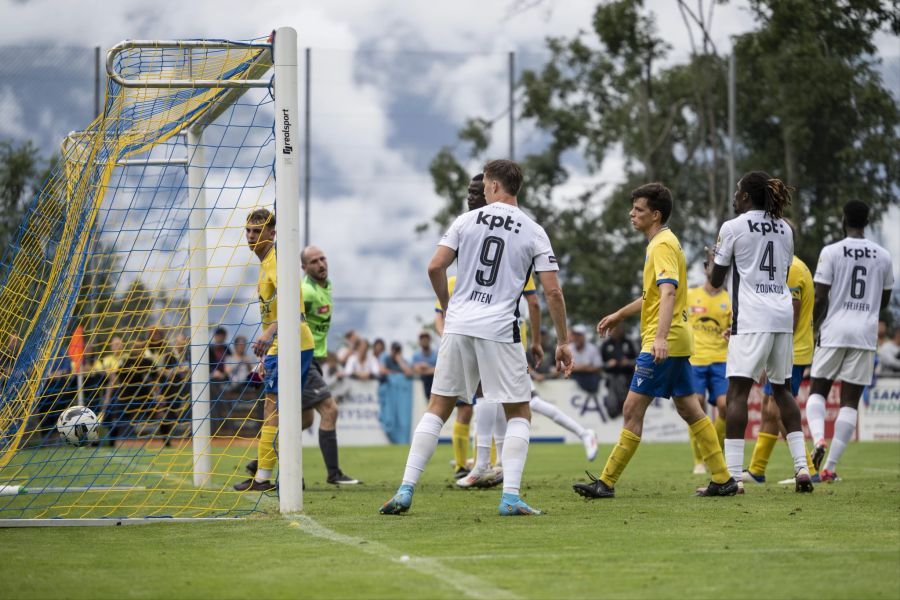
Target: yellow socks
(619,457)
(494,452)
(720,430)
(809,463)
(704,433)
(698,458)
(460,444)
(265,452)
(765,443)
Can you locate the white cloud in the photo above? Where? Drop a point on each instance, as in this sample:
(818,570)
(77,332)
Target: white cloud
(376,195)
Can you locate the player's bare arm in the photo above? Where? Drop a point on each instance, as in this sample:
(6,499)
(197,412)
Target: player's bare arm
(439,323)
(608,322)
(264,341)
(556,305)
(717,277)
(820,305)
(885,299)
(660,348)
(534,319)
(437,272)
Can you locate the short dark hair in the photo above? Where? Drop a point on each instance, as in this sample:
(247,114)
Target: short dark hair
(478,177)
(261,216)
(658,198)
(507,172)
(856,212)
(220,331)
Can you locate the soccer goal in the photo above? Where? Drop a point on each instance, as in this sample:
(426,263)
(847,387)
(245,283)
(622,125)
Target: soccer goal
(129,286)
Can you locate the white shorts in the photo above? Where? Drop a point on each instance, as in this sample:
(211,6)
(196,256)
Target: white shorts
(851,365)
(463,361)
(749,354)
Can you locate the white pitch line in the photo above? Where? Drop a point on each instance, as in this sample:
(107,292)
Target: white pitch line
(465,583)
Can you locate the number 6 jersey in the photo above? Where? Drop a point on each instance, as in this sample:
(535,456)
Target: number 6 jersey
(496,249)
(759,250)
(858,271)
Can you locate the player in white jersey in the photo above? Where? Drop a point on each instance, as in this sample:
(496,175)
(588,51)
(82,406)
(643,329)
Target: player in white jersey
(496,248)
(853,283)
(757,247)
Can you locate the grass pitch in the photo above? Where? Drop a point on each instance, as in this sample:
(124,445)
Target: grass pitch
(654,540)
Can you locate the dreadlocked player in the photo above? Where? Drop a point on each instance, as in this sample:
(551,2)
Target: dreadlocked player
(757,247)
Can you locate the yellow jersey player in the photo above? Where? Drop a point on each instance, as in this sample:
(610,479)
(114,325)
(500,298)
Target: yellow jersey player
(800,281)
(709,313)
(663,369)
(260,232)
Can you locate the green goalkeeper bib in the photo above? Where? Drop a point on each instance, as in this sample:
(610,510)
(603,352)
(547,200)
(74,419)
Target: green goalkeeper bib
(317,302)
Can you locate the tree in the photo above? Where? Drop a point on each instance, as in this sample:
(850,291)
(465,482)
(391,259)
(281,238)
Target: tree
(19,172)
(610,91)
(815,108)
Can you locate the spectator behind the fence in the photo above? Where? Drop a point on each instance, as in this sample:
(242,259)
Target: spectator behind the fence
(889,355)
(378,348)
(586,360)
(242,363)
(332,371)
(8,355)
(173,383)
(423,361)
(344,352)
(393,362)
(58,393)
(219,354)
(619,355)
(362,364)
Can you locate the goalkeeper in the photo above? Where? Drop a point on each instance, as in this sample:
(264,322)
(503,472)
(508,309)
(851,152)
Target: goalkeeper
(260,232)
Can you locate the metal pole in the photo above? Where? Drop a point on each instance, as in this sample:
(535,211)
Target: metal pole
(97,67)
(287,194)
(732,119)
(200,405)
(512,106)
(306,152)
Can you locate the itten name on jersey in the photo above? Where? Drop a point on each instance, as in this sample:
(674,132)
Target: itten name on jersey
(482,297)
(769,288)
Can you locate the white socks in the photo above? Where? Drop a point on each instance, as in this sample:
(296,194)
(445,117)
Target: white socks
(844,426)
(515,451)
(815,417)
(424,442)
(485,416)
(263,475)
(500,430)
(797,446)
(542,407)
(734,458)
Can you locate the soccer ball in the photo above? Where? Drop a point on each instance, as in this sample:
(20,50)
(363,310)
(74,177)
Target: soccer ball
(78,425)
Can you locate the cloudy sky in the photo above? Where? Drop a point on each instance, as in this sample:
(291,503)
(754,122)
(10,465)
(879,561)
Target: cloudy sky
(392,82)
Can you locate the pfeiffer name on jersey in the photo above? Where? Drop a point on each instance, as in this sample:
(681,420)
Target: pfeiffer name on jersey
(482,297)
(860,306)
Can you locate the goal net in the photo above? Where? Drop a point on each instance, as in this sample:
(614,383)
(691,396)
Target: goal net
(129,288)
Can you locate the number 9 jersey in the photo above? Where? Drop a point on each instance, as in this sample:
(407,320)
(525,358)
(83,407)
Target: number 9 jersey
(759,250)
(497,247)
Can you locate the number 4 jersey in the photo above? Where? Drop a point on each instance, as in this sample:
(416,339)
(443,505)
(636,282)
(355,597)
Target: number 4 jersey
(858,271)
(759,250)
(496,249)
